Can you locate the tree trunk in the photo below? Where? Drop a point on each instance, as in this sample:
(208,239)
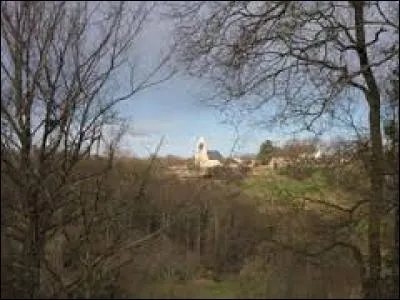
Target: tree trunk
(198,237)
(374,220)
(289,257)
(216,237)
(35,250)
(395,270)
(376,167)
(187,236)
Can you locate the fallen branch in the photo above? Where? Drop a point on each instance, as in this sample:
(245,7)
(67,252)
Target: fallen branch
(337,207)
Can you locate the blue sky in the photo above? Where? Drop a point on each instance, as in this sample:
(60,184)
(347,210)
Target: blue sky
(173,109)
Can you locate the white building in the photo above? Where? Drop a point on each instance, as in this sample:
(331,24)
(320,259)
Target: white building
(202,156)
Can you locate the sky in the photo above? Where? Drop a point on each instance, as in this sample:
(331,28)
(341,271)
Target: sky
(173,109)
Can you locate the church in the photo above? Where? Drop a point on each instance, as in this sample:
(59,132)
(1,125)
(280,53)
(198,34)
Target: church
(205,158)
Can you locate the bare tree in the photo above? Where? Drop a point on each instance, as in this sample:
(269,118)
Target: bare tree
(298,59)
(391,130)
(64,68)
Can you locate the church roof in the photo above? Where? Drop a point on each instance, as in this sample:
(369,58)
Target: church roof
(214,155)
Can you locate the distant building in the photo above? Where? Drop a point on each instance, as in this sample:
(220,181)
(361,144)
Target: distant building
(204,158)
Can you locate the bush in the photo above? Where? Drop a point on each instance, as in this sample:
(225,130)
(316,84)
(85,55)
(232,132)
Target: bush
(227,173)
(298,170)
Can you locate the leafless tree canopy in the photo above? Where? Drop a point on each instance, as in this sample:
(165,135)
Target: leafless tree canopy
(64,67)
(59,62)
(302,56)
